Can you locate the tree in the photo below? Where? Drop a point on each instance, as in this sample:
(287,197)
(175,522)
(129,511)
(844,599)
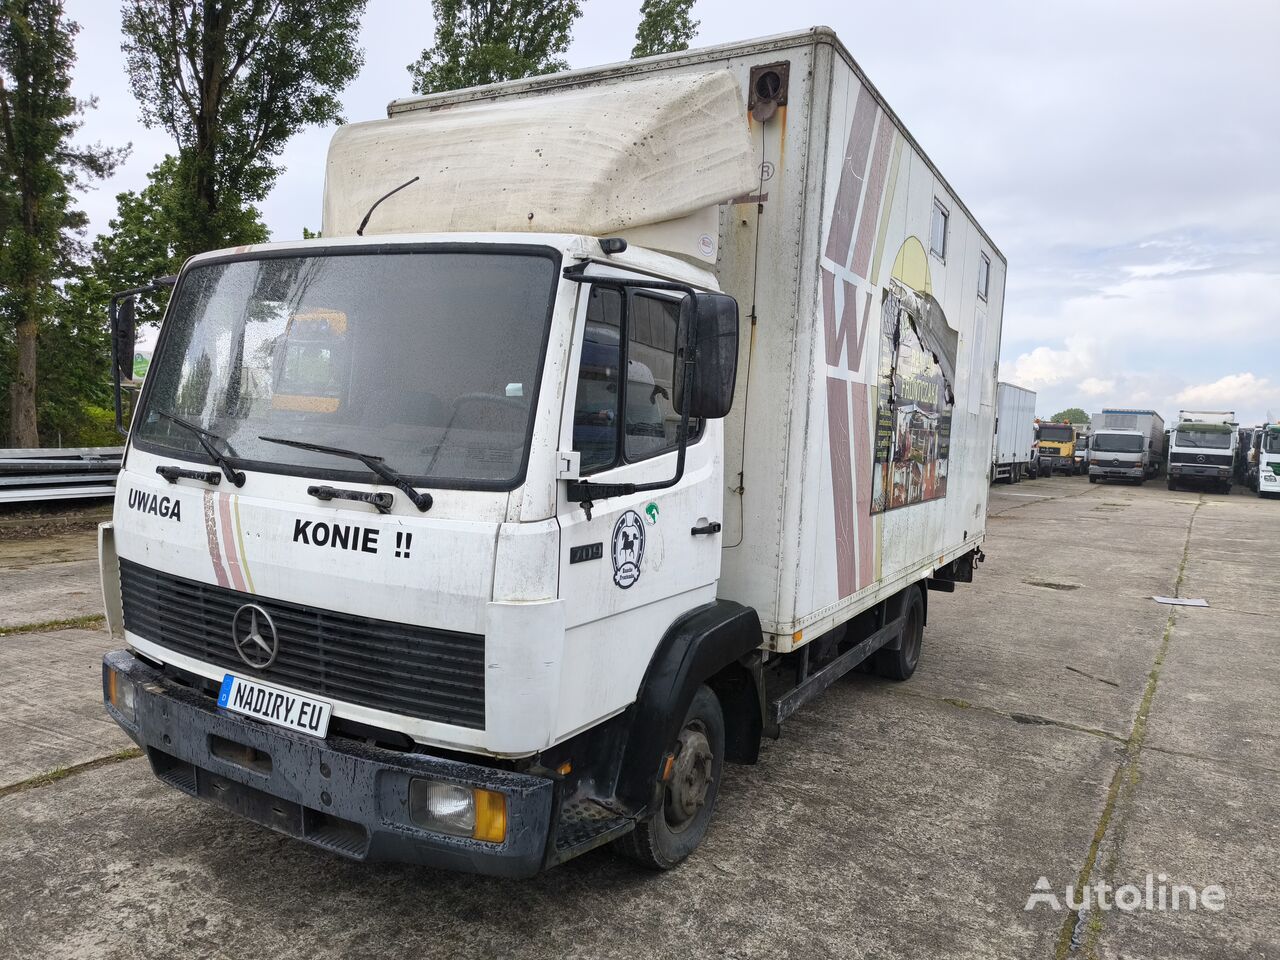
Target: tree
(40,166)
(665,27)
(232,81)
(1071,415)
(485,41)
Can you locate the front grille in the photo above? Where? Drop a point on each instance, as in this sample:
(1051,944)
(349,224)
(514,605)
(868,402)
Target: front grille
(398,667)
(1210,459)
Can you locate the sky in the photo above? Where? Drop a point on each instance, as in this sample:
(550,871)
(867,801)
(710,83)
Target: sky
(1125,157)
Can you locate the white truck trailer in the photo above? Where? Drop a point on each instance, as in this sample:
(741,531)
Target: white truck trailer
(1202,449)
(403,565)
(1015,437)
(1126,445)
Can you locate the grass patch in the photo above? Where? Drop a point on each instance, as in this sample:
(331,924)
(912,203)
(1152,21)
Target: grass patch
(89,620)
(61,773)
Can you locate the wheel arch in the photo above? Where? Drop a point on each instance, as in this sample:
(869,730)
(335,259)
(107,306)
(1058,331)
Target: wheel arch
(706,645)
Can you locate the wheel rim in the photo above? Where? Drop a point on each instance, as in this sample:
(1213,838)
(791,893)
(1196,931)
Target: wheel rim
(686,792)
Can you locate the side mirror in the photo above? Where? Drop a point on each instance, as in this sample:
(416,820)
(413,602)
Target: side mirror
(125,336)
(707,337)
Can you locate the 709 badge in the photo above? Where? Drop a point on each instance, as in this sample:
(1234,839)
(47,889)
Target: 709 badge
(628,548)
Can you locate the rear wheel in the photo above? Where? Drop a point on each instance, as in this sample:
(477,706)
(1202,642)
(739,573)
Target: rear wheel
(900,664)
(671,833)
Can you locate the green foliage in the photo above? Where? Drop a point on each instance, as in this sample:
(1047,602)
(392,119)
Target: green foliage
(1071,415)
(665,27)
(40,229)
(486,41)
(232,81)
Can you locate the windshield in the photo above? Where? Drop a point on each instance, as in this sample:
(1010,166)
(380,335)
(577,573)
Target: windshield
(1116,443)
(1271,441)
(1209,439)
(427,358)
(1056,434)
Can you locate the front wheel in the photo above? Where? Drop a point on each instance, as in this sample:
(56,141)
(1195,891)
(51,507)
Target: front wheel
(1093,479)
(668,835)
(1171,484)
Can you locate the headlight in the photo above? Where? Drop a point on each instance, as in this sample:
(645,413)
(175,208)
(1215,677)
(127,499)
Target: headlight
(458,810)
(123,694)
(1270,477)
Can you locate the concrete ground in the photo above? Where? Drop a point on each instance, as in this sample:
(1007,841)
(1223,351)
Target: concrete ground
(1061,725)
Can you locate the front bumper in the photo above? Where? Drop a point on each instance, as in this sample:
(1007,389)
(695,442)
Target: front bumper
(1190,471)
(1126,472)
(341,795)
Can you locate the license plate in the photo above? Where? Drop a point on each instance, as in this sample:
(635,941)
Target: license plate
(262,701)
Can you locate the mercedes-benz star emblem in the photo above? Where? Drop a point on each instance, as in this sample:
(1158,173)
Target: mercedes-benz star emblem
(1200,458)
(254,634)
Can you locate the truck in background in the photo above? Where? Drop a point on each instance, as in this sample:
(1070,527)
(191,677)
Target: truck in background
(517,562)
(1202,449)
(1057,445)
(1081,452)
(1265,468)
(1126,445)
(1013,454)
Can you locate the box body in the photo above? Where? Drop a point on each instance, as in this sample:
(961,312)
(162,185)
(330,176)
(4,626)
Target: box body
(1015,424)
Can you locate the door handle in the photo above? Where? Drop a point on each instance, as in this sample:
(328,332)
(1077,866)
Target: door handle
(706,529)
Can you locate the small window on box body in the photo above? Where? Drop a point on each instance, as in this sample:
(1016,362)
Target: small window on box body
(984,275)
(938,231)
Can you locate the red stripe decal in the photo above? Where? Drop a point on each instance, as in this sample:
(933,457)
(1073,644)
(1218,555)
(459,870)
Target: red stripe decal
(211,535)
(841,483)
(871,204)
(229,542)
(850,190)
(862,480)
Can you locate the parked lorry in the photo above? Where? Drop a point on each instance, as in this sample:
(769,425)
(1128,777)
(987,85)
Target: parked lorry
(1057,444)
(1265,466)
(1202,449)
(1013,453)
(560,530)
(1081,451)
(1126,445)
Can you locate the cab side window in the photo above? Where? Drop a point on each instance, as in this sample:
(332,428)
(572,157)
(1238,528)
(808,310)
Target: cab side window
(620,419)
(595,412)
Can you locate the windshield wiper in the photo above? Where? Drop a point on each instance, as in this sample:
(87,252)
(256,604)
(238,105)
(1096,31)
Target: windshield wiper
(204,436)
(422,501)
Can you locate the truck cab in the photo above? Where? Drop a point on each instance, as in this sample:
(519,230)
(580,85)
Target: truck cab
(1202,451)
(1118,455)
(1057,448)
(1266,466)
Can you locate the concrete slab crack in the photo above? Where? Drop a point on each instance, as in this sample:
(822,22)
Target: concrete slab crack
(1081,929)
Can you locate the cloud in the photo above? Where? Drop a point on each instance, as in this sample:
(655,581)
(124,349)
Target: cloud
(1045,366)
(1093,387)
(1232,392)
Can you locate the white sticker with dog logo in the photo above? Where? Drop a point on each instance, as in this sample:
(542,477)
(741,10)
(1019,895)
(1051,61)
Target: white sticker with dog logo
(628,549)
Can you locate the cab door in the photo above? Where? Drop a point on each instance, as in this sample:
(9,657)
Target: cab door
(630,565)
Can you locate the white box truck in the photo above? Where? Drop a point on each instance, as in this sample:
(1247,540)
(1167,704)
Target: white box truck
(1264,468)
(1202,449)
(1015,438)
(615,414)
(1126,445)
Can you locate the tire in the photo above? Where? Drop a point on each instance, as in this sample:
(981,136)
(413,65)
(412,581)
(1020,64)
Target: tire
(1093,479)
(1226,489)
(666,837)
(1171,484)
(900,664)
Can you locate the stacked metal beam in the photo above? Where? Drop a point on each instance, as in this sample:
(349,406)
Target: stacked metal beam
(37,475)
